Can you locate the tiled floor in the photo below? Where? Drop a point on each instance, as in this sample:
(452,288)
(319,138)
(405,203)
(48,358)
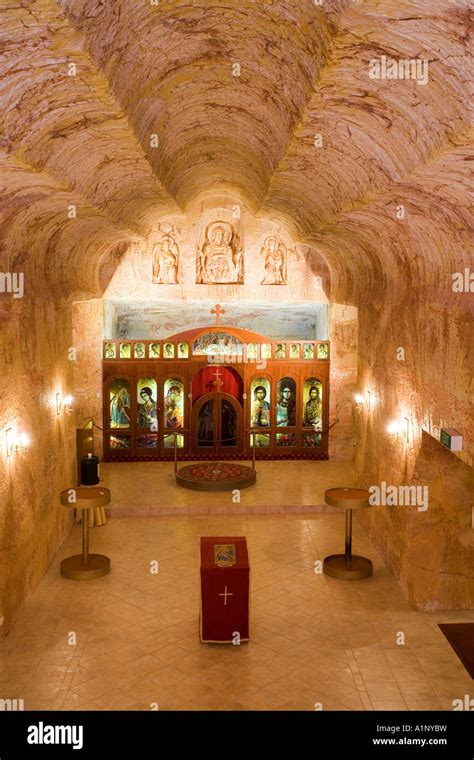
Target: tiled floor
(296,486)
(313,639)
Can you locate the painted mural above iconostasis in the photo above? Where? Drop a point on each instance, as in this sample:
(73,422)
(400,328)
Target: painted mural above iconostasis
(135,320)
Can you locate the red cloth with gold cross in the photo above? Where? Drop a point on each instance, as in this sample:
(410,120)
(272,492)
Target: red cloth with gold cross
(225,575)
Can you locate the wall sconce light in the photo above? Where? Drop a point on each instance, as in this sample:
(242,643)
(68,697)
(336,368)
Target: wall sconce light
(9,441)
(394,428)
(359,399)
(59,403)
(16,443)
(372,400)
(406,429)
(22,443)
(67,404)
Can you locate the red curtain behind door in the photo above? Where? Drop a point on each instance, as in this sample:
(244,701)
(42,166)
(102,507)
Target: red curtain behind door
(203,382)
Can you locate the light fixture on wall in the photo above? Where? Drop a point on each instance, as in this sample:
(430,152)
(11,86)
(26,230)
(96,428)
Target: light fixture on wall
(367,398)
(406,429)
(372,400)
(62,403)
(15,443)
(394,428)
(22,443)
(67,404)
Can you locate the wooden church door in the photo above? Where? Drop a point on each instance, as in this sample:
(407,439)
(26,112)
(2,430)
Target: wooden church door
(217,424)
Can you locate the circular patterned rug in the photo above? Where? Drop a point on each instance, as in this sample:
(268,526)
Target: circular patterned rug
(215,476)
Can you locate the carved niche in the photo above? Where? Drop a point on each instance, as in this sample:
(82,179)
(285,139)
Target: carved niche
(273,253)
(166,260)
(220,259)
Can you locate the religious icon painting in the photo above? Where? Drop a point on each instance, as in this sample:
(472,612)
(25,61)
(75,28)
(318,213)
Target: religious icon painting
(251,351)
(286,402)
(183,350)
(294,351)
(119,441)
(323,350)
(169,441)
(279,351)
(260,403)
(217,343)
(110,351)
(311,440)
(139,351)
(228,424)
(266,350)
(147,403)
(286,439)
(119,403)
(173,403)
(149,441)
(125,351)
(154,351)
(260,440)
(168,351)
(312,403)
(308,351)
(225,555)
(205,432)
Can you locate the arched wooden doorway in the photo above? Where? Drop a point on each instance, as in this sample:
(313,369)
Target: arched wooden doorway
(217,424)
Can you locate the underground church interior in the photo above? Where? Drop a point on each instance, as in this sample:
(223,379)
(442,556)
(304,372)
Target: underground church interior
(236,356)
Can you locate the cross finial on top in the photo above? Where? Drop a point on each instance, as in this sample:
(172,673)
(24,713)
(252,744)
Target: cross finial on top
(218,311)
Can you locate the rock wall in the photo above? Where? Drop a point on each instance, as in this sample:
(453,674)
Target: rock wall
(431,551)
(33,524)
(88,334)
(343,379)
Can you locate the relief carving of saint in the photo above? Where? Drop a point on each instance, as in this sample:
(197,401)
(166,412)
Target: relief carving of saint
(219,260)
(165,261)
(274,255)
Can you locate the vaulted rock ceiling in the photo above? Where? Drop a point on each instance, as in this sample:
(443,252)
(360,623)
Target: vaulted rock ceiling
(167,69)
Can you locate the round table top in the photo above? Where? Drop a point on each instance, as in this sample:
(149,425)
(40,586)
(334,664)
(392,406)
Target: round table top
(85,497)
(347,498)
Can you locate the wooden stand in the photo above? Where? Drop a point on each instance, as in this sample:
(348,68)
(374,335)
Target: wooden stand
(85,566)
(347,566)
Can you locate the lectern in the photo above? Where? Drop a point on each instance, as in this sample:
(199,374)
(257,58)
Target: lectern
(225,576)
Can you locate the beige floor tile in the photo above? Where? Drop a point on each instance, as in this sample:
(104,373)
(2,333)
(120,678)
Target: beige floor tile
(313,639)
(387,691)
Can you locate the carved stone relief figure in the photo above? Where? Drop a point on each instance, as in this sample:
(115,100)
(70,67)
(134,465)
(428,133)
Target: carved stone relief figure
(220,259)
(165,261)
(274,256)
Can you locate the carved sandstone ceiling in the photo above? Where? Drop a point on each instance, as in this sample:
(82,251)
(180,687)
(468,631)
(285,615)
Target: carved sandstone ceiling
(169,70)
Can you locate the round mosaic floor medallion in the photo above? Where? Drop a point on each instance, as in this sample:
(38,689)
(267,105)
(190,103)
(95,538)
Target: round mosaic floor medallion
(215,476)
